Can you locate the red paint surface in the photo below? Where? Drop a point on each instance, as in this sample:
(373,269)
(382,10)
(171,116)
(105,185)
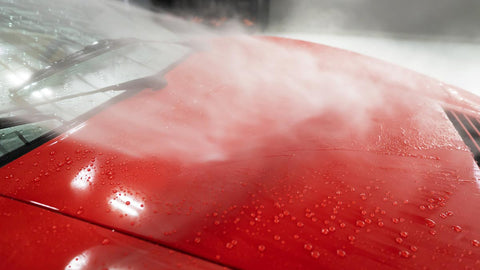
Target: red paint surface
(387,196)
(34,238)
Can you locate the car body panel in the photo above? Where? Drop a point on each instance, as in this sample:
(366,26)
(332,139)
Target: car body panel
(390,185)
(42,239)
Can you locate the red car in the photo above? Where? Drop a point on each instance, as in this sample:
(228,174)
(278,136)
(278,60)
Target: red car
(125,146)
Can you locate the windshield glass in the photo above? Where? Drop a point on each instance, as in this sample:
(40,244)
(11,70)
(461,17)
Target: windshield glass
(60,60)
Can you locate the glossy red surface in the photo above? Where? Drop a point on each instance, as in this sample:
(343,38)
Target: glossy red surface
(385,185)
(40,239)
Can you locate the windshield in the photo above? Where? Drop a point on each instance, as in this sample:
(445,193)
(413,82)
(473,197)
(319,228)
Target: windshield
(61,61)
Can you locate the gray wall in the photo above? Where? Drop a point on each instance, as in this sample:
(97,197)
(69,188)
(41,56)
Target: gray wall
(457,19)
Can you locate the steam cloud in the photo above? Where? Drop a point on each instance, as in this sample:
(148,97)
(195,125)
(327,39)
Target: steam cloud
(240,93)
(237,93)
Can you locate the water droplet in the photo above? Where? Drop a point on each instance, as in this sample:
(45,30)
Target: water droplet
(300,224)
(404,253)
(404,234)
(197,240)
(457,228)
(351,238)
(105,241)
(360,223)
(413,248)
(308,246)
(127,202)
(430,223)
(261,248)
(229,245)
(276,237)
(315,254)
(341,253)
(475,243)
(398,240)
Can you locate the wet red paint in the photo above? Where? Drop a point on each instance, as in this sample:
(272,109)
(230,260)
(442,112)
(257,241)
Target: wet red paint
(42,239)
(316,202)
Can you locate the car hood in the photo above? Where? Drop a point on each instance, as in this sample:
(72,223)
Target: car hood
(268,152)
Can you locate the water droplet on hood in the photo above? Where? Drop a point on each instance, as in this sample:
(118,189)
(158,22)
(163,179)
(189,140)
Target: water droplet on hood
(360,223)
(315,254)
(457,228)
(405,254)
(430,223)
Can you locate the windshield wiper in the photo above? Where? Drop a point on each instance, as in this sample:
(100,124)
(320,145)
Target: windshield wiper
(88,52)
(154,82)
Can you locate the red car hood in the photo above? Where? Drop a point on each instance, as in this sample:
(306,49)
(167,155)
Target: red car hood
(273,153)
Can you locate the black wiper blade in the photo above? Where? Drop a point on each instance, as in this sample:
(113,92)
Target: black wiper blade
(154,82)
(88,52)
